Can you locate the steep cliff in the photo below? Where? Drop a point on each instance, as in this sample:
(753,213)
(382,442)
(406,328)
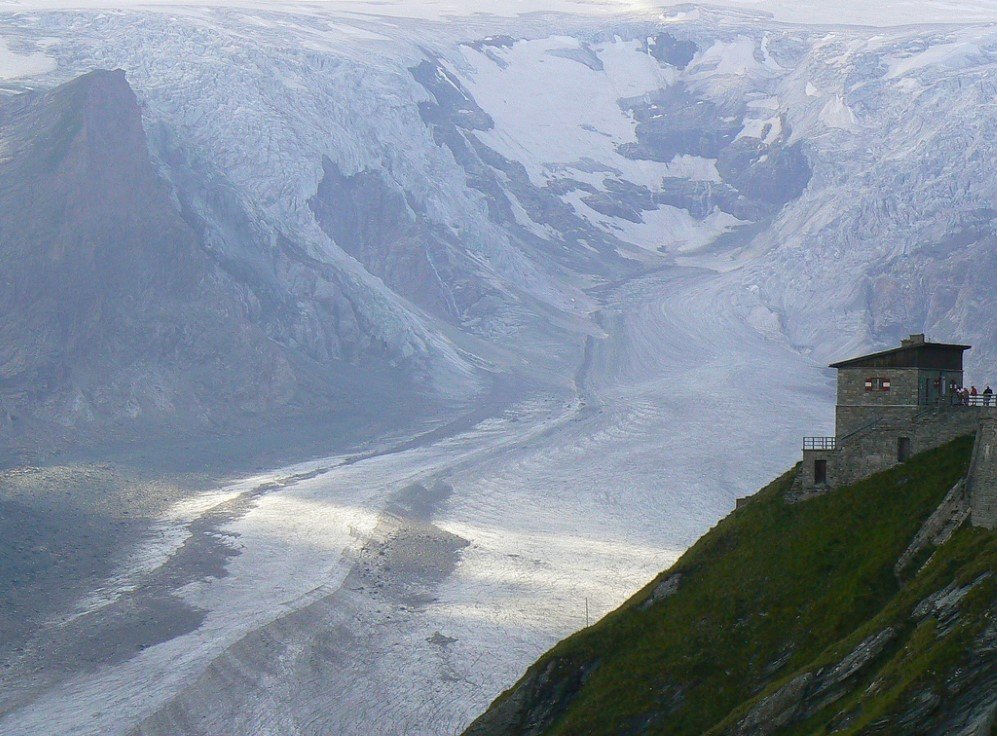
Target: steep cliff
(790,619)
(119,315)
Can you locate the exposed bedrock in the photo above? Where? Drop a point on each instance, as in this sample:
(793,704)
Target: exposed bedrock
(125,312)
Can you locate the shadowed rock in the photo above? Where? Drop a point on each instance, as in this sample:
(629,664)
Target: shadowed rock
(117,316)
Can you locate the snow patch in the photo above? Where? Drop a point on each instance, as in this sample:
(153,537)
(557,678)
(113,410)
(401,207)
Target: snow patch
(666,229)
(767,130)
(837,114)
(19,66)
(546,125)
(730,58)
(695,168)
(949,56)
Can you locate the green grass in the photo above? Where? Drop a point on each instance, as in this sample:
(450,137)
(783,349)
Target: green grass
(926,652)
(774,590)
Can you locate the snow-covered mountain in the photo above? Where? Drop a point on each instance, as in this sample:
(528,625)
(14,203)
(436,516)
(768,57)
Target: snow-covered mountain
(113,307)
(626,237)
(440,196)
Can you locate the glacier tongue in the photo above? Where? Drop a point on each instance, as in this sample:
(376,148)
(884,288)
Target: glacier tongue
(342,611)
(646,232)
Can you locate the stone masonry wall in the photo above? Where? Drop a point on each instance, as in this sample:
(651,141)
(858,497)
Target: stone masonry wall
(983,475)
(875,449)
(807,469)
(903,386)
(857,407)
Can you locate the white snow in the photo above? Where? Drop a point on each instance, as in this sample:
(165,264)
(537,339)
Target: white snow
(671,229)
(767,130)
(730,58)
(562,499)
(837,114)
(947,56)
(15,65)
(553,128)
(882,13)
(696,391)
(695,168)
(548,126)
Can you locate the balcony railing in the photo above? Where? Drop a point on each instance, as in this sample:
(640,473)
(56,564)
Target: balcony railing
(956,400)
(978,400)
(819,443)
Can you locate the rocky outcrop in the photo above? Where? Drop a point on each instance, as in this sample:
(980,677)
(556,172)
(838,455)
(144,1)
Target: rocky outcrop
(982,480)
(808,692)
(117,316)
(379,226)
(111,309)
(535,704)
(939,527)
(662,590)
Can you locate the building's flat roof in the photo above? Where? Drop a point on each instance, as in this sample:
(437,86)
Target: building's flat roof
(918,355)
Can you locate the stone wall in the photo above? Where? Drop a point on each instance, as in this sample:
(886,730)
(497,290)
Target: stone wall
(857,407)
(875,448)
(903,386)
(983,475)
(809,463)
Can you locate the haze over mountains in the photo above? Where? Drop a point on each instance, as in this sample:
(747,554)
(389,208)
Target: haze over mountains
(343,199)
(616,243)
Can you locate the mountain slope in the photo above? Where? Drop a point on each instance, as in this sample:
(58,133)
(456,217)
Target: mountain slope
(789,619)
(454,207)
(119,314)
(102,272)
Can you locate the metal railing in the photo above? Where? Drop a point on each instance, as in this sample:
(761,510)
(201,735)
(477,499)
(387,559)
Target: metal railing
(868,425)
(978,400)
(819,443)
(953,399)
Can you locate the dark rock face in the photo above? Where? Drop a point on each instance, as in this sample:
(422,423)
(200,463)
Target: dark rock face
(773,175)
(101,269)
(114,312)
(378,226)
(675,121)
(453,116)
(670,50)
(535,705)
(453,104)
(759,177)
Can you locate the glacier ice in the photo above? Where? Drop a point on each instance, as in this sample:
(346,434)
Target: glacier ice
(661,224)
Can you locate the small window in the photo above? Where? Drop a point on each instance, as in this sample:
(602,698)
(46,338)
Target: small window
(877,384)
(820,472)
(903,449)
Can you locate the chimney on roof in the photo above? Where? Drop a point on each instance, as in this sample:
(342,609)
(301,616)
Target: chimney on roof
(913,340)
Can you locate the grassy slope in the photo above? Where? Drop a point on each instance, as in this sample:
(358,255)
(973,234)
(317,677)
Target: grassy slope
(774,589)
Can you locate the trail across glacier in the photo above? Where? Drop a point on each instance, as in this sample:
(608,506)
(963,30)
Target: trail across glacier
(400,593)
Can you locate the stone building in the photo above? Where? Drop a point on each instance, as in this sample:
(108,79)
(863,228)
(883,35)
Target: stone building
(894,404)
(891,383)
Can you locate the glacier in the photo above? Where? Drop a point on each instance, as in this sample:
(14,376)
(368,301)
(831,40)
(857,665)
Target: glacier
(621,240)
